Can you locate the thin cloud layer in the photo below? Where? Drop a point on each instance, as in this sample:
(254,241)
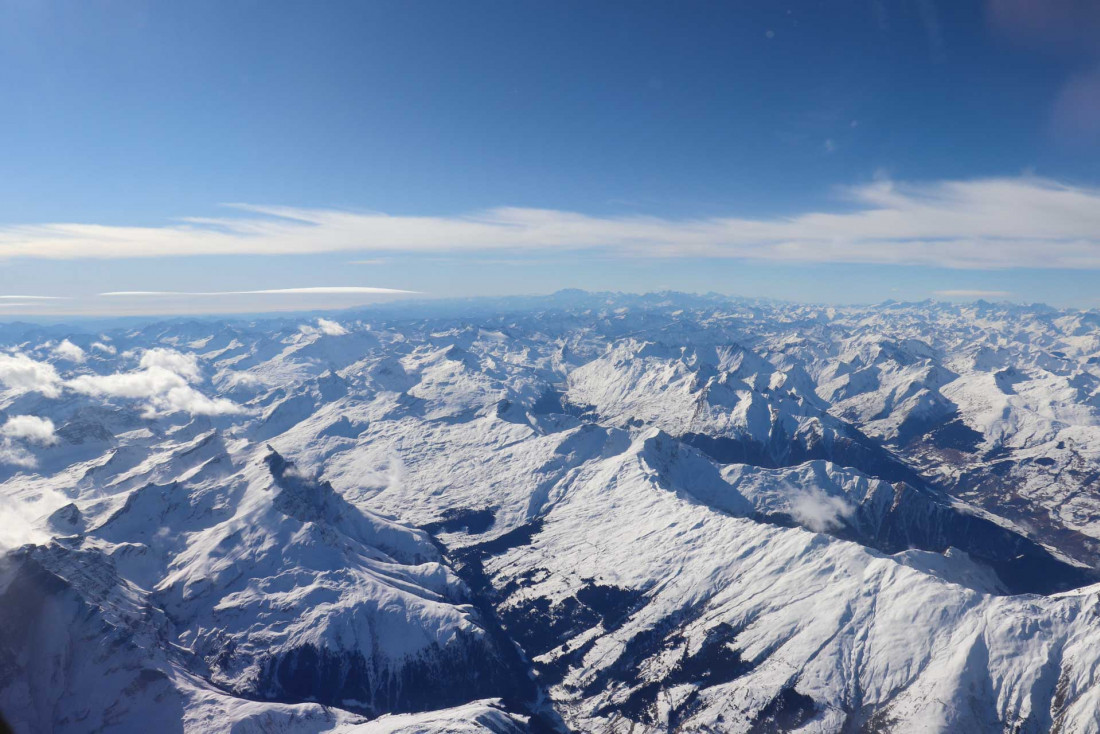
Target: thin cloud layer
(987,224)
(16,455)
(970,293)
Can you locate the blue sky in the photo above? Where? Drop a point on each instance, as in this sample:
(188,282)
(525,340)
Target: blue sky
(832,152)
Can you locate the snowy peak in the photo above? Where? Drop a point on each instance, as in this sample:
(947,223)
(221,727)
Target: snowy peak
(311,501)
(583,512)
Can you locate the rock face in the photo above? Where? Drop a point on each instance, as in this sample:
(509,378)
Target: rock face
(78,649)
(589,512)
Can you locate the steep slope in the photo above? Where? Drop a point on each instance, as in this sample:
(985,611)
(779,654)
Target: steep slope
(645,611)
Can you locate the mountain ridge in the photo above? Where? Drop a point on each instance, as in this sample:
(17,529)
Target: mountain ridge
(582,512)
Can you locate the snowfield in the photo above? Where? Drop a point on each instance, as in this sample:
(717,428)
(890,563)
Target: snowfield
(584,512)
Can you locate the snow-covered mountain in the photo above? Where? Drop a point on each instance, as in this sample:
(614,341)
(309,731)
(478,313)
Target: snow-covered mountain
(584,512)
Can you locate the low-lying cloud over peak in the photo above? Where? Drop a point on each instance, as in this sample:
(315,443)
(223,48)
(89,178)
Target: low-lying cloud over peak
(325,327)
(65,349)
(1021,222)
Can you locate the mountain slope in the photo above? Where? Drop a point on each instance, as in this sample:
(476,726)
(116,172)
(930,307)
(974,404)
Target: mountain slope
(588,512)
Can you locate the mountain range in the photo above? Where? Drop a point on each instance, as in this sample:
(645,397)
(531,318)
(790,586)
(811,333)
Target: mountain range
(586,512)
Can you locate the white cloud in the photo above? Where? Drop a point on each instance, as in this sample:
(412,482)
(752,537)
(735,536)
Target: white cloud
(146,383)
(67,350)
(16,455)
(988,223)
(163,390)
(189,400)
(324,326)
(22,373)
(186,365)
(162,382)
(105,348)
(330,328)
(29,428)
(23,301)
(819,511)
(965,293)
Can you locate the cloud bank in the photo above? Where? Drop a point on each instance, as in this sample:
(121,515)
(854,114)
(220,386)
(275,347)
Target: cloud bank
(990,223)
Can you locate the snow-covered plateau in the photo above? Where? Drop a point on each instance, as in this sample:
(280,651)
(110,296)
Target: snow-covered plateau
(584,512)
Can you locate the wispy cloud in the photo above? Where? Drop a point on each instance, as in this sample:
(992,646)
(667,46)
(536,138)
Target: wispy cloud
(11,301)
(320,290)
(990,223)
(966,293)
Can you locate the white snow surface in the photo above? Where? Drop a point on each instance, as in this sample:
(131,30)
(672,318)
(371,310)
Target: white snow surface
(586,512)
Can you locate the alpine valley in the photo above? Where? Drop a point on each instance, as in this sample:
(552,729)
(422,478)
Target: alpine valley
(578,513)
